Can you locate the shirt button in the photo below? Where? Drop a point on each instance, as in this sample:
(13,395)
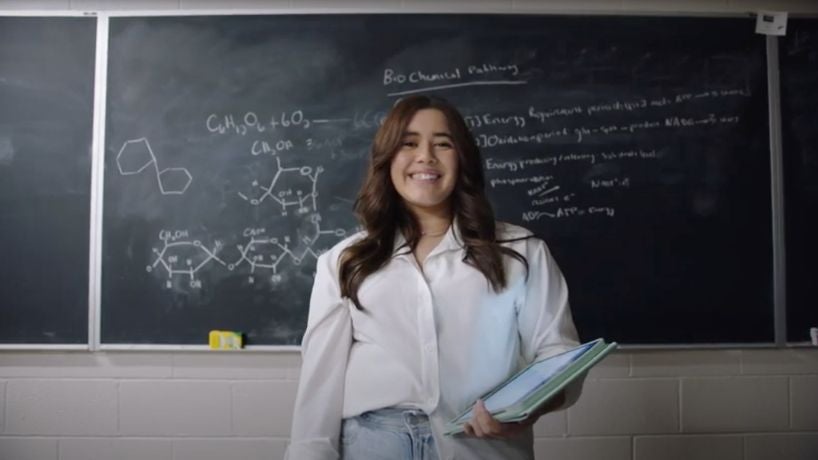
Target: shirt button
(430,348)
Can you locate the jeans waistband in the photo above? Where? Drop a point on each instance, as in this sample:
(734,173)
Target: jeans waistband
(397,419)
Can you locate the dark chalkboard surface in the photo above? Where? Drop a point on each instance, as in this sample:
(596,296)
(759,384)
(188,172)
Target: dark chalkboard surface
(46,114)
(637,147)
(798,57)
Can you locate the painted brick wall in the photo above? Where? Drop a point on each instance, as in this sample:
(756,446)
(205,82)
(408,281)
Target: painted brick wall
(747,404)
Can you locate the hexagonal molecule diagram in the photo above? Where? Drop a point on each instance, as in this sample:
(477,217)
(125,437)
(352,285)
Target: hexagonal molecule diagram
(285,193)
(136,155)
(262,252)
(181,256)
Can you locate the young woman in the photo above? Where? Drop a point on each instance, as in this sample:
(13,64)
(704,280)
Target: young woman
(428,308)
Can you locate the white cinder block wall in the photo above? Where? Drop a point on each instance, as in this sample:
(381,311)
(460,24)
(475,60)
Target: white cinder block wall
(744,404)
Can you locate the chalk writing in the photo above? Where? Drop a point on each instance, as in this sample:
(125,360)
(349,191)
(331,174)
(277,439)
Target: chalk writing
(581,124)
(180,256)
(304,199)
(250,122)
(454,77)
(137,155)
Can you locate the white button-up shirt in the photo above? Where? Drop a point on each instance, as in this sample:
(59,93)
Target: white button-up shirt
(433,339)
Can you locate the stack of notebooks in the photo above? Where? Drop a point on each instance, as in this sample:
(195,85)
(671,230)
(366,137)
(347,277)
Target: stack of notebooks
(528,390)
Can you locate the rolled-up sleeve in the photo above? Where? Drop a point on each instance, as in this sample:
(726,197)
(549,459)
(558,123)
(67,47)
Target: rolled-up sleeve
(324,349)
(544,319)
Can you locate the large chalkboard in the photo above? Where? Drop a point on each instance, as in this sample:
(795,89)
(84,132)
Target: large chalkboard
(798,57)
(636,146)
(46,114)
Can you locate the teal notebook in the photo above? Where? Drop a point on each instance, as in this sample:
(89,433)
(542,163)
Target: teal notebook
(525,392)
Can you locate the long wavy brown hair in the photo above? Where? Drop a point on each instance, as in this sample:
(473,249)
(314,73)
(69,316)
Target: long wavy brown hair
(382,213)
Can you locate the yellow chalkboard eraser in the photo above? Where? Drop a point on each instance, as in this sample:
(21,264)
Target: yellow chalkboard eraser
(225,340)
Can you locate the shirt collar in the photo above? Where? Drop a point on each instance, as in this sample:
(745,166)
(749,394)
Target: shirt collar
(451,241)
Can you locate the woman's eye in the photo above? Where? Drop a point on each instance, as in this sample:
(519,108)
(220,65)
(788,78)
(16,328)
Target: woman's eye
(410,144)
(445,145)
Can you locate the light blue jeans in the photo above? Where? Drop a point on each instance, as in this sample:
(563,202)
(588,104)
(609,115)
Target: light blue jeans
(388,434)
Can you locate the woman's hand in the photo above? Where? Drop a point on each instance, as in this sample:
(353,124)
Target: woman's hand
(483,425)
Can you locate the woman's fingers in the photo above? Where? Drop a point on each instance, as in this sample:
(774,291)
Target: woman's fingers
(484,425)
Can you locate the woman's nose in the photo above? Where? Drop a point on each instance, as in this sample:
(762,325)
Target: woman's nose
(426,153)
